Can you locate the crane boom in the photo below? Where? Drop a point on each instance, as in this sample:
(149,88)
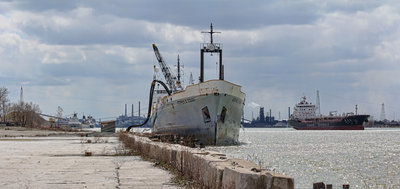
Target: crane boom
(170,77)
(52,116)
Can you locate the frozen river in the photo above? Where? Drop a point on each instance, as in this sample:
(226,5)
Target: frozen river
(363,159)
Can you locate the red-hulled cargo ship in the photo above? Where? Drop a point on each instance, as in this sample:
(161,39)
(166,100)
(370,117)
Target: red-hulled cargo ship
(304,118)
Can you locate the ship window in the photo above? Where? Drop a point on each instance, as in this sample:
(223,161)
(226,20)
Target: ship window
(223,114)
(206,115)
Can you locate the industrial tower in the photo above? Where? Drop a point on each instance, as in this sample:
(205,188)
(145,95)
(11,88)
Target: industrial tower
(383,114)
(21,96)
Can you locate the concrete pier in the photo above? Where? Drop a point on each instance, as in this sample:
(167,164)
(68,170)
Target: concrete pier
(207,168)
(60,162)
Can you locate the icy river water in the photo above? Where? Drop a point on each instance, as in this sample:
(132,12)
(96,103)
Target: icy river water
(363,159)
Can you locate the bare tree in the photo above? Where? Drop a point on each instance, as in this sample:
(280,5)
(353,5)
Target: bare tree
(3,103)
(26,114)
(32,112)
(16,114)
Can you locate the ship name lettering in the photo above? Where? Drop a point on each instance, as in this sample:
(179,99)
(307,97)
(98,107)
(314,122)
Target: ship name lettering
(185,101)
(237,100)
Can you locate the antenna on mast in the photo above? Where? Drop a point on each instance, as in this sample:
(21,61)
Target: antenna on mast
(211,32)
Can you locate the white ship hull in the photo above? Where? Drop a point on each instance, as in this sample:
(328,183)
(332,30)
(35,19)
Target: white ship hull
(211,111)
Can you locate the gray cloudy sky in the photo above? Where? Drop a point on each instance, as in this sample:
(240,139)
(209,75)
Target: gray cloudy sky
(95,56)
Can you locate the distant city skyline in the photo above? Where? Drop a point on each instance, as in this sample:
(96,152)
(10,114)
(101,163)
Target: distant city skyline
(95,57)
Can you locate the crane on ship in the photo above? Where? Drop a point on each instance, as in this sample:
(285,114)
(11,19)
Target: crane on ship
(173,83)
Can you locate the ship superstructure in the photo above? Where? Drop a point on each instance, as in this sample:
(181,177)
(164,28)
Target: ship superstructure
(304,110)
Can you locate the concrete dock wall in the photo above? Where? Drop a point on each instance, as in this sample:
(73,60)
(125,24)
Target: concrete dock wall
(208,168)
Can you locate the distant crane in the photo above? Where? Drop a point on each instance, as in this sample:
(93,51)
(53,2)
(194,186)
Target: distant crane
(56,117)
(169,76)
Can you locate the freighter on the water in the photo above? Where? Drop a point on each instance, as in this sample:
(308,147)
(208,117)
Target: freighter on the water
(304,117)
(209,110)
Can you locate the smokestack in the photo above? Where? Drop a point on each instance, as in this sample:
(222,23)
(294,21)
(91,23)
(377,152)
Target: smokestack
(261,116)
(270,116)
(318,105)
(126,110)
(288,113)
(132,110)
(139,108)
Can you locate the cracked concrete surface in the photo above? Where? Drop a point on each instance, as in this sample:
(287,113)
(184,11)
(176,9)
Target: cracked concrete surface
(60,162)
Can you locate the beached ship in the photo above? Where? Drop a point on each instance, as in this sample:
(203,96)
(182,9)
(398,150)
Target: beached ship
(209,110)
(304,117)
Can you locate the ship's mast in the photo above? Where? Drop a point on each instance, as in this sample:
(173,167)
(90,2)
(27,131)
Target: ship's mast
(211,48)
(211,32)
(356,109)
(179,70)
